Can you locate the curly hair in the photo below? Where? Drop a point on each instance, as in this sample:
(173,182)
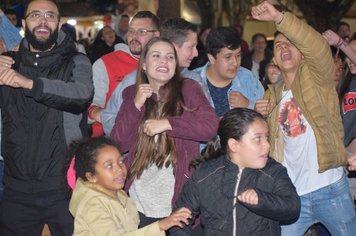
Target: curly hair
(86,152)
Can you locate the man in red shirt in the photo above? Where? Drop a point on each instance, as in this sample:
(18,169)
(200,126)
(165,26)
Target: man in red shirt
(110,69)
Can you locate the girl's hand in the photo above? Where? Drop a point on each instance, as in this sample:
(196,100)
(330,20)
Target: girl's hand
(152,127)
(179,218)
(144,91)
(249,196)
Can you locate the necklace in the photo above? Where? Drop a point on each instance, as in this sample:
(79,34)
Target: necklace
(277,103)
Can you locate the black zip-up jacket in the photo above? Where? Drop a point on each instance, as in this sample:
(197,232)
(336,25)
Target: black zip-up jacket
(38,124)
(212,192)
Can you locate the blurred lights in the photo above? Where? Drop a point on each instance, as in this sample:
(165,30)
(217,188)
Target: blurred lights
(98,24)
(72,22)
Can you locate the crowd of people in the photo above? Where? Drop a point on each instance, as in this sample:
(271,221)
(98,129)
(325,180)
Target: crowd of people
(161,129)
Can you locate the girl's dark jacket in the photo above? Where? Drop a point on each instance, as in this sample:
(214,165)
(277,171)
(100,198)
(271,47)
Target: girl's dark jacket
(212,192)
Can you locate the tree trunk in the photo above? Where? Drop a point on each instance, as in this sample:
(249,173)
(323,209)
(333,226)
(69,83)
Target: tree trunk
(323,14)
(168,9)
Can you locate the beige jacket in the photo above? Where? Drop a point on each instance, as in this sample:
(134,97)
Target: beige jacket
(97,213)
(315,92)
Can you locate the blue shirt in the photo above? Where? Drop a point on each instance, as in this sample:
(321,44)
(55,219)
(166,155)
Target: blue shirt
(9,33)
(244,82)
(220,98)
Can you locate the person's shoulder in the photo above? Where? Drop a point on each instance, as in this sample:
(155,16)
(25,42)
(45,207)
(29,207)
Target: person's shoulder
(129,90)
(99,62)
(189,82)
(122,47)
(131,76)
(242,71)
(190,74)
(190,85)
(244,74)
(273,166)
(209,168)
(201,69)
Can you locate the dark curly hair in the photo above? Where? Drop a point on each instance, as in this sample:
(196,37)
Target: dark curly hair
(86,154)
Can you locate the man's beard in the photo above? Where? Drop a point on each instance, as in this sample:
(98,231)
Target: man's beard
(135,52)
(44,44)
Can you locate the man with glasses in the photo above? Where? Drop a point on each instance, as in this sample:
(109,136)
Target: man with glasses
(110,70)
(45,88)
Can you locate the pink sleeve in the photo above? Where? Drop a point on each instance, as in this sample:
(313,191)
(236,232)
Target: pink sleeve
(71,174)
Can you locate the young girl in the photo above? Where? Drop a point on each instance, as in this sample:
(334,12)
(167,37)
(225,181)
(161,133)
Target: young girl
(162,119)
(98,204)
(272,76)
(240,191)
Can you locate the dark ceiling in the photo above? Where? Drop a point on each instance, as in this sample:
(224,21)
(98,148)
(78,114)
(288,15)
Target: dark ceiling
(71,8)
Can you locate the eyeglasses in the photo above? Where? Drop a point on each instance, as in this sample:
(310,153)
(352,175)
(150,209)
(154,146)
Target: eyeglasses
(36,15)
(140,32)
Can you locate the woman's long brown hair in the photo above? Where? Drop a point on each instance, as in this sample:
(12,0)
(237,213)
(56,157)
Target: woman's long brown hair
(158,149)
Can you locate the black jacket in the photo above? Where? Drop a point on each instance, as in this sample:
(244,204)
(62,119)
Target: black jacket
(211,191)
(38,124)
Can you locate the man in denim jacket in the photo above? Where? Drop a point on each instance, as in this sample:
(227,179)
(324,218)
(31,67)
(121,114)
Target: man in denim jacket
(229,84)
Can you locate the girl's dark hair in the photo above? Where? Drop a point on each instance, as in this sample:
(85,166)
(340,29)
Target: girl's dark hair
(86,153)
(98,38)
(258,35)
(234,124)
(149,150)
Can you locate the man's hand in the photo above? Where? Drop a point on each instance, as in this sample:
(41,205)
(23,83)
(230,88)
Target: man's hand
(236,99)
(14,79)
(5,63)
(263,106)
(332,38)
(266,12)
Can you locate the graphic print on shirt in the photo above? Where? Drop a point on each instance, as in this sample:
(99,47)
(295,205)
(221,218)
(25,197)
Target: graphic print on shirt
(349,102)
(291,119)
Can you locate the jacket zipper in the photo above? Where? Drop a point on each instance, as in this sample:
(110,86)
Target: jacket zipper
(234,226)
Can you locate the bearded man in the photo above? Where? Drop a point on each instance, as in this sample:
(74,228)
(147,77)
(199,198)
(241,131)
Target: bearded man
(44,90)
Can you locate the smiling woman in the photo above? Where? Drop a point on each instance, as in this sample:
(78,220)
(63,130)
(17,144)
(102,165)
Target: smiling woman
(171,115)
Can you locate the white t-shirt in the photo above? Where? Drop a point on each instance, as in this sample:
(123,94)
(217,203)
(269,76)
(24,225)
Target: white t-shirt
(300,149)
(153,191)
(255,69)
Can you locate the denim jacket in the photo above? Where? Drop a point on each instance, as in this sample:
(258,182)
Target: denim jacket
(244,82)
